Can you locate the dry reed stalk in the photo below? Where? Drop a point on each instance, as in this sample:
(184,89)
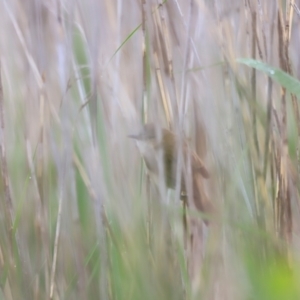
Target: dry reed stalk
(283,197)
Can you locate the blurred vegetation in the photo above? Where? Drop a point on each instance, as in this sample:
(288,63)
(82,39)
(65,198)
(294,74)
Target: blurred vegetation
(80,217)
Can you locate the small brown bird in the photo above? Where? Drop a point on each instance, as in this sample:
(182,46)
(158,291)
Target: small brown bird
(152,139)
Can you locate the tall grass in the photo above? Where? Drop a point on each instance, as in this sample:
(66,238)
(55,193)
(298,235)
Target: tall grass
(80,217)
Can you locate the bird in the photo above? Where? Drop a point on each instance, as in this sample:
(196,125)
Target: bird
(152,139)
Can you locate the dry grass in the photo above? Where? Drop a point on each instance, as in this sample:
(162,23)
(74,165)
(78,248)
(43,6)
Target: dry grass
(80,218)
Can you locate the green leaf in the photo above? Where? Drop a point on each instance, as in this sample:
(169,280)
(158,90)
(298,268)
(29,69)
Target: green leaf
(80,50)
(287,81)
(125,41)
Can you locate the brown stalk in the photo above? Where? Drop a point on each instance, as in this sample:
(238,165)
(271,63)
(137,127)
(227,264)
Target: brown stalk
(283,197)
(288,26)
(269,55)
(253,76)
(161,59)
(260,11)
(173,94)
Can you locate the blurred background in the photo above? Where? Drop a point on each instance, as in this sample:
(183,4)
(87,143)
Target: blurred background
(80,217)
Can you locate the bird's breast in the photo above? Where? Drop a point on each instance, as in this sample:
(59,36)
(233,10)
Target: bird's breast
(149,155)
